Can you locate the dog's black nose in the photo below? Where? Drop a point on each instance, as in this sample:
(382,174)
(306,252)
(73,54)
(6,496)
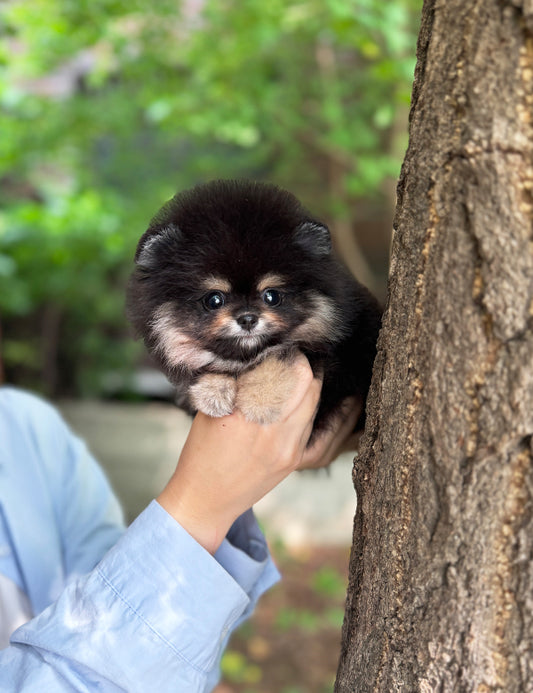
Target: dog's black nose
(247,321)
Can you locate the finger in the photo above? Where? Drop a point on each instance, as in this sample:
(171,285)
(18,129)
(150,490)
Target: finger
(328,444)
(305,413)
(306,392)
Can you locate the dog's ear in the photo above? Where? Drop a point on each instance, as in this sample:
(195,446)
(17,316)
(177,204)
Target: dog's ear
(152,241)
(313,237)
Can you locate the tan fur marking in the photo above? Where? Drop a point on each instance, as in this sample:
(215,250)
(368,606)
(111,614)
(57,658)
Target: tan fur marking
(223,324)
(262,391)
(322,322)
(274,320)
(270,281)
(220,322)
(179,349)
(214,394)
(213,283)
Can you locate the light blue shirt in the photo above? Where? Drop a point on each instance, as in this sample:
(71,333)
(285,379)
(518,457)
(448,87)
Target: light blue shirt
(146,609)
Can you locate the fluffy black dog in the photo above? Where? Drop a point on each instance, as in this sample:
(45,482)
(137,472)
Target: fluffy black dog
(233,277)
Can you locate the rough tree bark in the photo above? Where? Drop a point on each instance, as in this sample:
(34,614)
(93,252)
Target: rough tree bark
(441,577)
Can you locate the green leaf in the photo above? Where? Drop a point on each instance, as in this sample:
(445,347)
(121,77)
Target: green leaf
(329,582)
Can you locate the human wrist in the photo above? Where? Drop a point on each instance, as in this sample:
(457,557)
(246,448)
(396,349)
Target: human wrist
(206,525)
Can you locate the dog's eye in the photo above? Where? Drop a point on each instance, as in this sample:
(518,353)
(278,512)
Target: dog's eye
(272,297)
(214,300)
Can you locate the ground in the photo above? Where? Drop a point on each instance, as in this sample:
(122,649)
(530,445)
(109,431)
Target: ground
(292,643)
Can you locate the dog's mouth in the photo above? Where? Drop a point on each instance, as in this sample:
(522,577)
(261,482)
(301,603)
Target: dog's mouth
(250,338)
(244,347)
(251,346)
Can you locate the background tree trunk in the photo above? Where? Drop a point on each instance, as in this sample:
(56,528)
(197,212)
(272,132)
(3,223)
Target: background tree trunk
(441,577)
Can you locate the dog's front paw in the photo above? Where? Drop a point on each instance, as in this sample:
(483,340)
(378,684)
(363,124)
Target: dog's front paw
(262,391)
(214,394)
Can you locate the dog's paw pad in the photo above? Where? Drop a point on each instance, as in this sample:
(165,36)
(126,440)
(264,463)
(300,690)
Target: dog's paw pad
(214,394)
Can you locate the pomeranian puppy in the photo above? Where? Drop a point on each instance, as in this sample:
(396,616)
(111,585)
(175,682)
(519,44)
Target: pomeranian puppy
(231,278)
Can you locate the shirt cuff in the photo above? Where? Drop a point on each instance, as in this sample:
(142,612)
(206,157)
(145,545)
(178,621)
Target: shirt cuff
(244,555)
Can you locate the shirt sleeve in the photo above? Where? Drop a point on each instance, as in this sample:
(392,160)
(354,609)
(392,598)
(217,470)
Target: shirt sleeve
(60,513)
(88,514)
(154,615)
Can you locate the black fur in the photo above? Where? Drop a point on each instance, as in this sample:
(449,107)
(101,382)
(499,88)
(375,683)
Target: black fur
(242,231)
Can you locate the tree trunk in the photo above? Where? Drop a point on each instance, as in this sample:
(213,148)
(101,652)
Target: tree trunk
(440,596)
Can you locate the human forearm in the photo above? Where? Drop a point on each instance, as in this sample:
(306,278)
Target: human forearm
(149,617)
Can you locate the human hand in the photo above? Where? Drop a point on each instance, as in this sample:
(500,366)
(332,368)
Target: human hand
(229,463)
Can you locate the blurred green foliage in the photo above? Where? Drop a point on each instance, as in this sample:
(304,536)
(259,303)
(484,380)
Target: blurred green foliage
(108,107)
(327,581)
(236,668)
